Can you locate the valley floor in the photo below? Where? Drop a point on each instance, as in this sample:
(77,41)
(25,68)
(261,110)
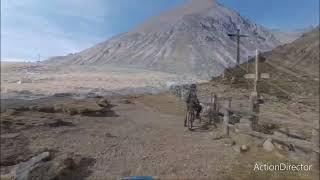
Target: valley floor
(141,134)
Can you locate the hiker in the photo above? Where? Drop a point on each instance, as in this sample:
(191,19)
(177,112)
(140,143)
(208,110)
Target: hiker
(193,102)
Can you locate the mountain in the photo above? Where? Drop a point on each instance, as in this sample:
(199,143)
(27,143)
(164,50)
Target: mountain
(289,36)
(286,36)
(293,67)
(189,39)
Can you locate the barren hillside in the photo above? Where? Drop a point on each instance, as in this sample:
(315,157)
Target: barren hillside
(189,39)
(294,68)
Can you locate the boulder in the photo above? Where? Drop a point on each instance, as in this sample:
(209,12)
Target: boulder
(11,112)
(66,166)
(268,145)
(47,109)
(244,148)
(22,170)
(228,141)
(102,102)
(34,108)
(240,149)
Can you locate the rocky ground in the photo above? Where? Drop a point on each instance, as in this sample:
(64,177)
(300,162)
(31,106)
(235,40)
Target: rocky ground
(119,136)
(54,125)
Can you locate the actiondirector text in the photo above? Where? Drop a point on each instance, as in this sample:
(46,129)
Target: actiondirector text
(281,167)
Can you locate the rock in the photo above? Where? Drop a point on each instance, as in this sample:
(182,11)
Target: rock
(281,147)
(236,148)
(229,142)
(274,99)
(279,134)
(21,108)
(71,111)
(109,135)
(244,148)
(268,145)
(85,111)
(234,118)
(22,170)
(47,109)
(34,108)
(58,108)
(102,102)
(60,167)
(267,128)
(9,135)
(127,101)
(63,95)
(59,122)
(12,112)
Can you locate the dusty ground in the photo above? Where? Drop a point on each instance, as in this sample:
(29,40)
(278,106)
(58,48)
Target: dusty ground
(141,134)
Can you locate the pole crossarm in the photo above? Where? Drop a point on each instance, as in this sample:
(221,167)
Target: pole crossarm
(257,75)
(238,35)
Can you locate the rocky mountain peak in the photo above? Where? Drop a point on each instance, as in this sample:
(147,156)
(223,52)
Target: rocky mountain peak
(189,39)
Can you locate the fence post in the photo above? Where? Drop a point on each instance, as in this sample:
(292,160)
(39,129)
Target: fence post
(254,110)
(226,117)
(213,113)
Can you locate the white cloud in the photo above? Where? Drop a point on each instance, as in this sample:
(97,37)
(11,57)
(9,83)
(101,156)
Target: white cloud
(59,27)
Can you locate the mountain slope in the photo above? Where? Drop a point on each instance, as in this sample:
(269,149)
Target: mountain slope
(286,37)
(289,36)
(294,68)
(189,39)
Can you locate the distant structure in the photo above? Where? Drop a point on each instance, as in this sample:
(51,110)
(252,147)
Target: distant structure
(238,36)
(254,96)
(39,58)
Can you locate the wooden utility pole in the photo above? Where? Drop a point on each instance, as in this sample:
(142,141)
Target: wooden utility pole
(256,79)
(254,96)
(238,36)
(257,75)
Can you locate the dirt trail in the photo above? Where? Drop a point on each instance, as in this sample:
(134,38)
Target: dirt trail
(144,136)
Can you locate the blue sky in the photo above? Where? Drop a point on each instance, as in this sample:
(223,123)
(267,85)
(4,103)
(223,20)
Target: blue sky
(59,27)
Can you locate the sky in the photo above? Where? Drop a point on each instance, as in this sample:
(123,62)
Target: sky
(36,28)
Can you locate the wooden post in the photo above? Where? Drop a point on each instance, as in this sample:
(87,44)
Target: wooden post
(213,108)
(215,103)
(254,109)
(226,117)
(238,46)
(256,80)
(315,134)
(254,106)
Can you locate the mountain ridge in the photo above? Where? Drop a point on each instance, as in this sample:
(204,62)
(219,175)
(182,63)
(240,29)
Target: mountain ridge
(189,39)
(293,68)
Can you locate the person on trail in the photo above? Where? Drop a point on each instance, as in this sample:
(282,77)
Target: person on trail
(193,102)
